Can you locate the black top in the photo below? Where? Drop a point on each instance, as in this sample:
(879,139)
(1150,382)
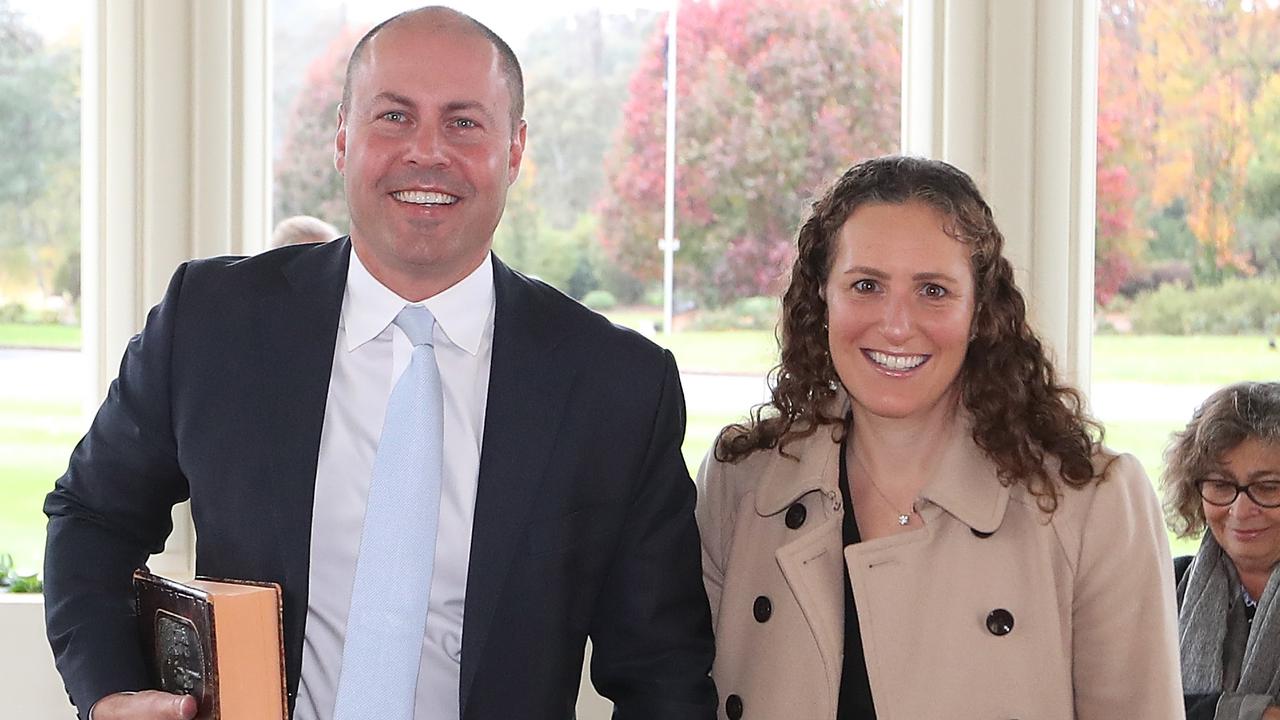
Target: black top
(855,688)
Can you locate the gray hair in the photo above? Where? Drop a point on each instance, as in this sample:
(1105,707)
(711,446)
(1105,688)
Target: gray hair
(1227,418)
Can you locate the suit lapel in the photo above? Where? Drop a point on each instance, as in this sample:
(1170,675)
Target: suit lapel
(529,382)
(297,340)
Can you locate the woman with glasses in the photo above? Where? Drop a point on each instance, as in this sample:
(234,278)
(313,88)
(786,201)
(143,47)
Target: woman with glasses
(1223,473)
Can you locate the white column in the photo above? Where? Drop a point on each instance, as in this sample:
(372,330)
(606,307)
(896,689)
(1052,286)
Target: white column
(1006,90)
(175,166)
(231,72)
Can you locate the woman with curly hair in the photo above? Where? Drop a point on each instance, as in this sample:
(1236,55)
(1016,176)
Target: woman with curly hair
(922,523)
(1222,473)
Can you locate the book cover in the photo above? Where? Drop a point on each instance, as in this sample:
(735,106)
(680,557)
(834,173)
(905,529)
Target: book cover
(220,641)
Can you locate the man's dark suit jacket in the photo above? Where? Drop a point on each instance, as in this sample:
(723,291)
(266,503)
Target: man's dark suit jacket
(584,518)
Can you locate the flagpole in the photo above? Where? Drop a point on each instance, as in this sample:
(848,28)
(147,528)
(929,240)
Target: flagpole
(669,243)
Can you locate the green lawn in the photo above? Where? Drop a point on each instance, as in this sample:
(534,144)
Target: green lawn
(1147,441)
(749,352)
(1183,360)
(35,440)
(39,336)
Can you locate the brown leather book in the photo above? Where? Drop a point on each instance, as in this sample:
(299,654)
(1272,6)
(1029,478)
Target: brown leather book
(220,641)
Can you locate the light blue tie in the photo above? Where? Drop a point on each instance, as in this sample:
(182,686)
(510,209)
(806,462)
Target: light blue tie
(388,617)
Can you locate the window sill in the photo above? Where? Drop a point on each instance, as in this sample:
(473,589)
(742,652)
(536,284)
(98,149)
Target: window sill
(26,661)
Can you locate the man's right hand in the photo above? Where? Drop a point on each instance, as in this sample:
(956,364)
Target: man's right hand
(145,705)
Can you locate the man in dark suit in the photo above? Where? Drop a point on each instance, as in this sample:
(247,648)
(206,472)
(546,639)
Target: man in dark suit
(258,390)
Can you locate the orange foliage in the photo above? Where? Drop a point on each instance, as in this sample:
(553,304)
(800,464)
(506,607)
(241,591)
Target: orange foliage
(1204,62)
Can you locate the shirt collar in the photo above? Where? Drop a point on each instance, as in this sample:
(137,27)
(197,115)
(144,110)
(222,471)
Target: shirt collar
(967,484)
(462,311)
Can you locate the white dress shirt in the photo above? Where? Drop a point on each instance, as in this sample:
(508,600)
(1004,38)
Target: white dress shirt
(370,355)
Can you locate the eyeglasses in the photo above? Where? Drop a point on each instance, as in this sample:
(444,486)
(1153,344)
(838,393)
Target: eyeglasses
(1223,493)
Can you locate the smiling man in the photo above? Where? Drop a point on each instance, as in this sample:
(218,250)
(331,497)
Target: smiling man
(460,476)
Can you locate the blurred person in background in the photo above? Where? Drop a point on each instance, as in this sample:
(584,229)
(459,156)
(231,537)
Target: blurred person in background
(302,229)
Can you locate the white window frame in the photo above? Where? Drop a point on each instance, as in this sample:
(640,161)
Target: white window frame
(176,165)
(1007,91)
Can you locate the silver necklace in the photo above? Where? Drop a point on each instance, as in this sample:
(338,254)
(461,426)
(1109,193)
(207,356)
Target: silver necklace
(903,519)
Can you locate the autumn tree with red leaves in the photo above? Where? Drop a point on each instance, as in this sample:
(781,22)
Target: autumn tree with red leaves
(306,182)
(776,99)
(1124,152)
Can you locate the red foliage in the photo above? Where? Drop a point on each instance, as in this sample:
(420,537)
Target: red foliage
(1110,273)
(306,182)
(775,99)
(1123,150)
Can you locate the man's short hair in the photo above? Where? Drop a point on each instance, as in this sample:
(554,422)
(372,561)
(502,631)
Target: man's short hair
(510,65)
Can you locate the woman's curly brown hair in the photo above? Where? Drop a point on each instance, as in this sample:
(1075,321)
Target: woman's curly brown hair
(1021,415)
(1227,418)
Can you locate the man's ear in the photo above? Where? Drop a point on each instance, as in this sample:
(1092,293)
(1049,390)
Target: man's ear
(516,153)
(340,141)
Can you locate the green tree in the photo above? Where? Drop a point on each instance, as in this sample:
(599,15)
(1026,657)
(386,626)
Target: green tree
(576,74)
(40,167)
(1260,228)
(527,242)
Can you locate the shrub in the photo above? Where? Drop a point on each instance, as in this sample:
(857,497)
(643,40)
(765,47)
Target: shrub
(600,300)
(1236,307)
(13,312)
(759,312)
(12,582)
(1156,274)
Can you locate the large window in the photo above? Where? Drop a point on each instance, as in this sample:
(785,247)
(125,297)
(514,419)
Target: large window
(1187,275)
(40,375)
(774,99)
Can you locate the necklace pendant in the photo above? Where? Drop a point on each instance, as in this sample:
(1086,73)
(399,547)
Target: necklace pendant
(904,519)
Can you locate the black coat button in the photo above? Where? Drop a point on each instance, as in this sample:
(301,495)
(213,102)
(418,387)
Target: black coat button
(733,707)
(796,515)
(762,609)
(979,534)
(1000,622)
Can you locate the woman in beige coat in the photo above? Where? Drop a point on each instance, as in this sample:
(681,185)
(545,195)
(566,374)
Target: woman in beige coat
(921,523)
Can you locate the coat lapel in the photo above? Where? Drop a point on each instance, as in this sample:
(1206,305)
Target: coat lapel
(297,338)
(813,564)
(529,380)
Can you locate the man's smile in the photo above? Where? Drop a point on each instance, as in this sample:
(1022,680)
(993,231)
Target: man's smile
(424,197)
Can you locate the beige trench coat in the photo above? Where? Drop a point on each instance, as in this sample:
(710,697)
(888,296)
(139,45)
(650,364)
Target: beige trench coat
(1090,591)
